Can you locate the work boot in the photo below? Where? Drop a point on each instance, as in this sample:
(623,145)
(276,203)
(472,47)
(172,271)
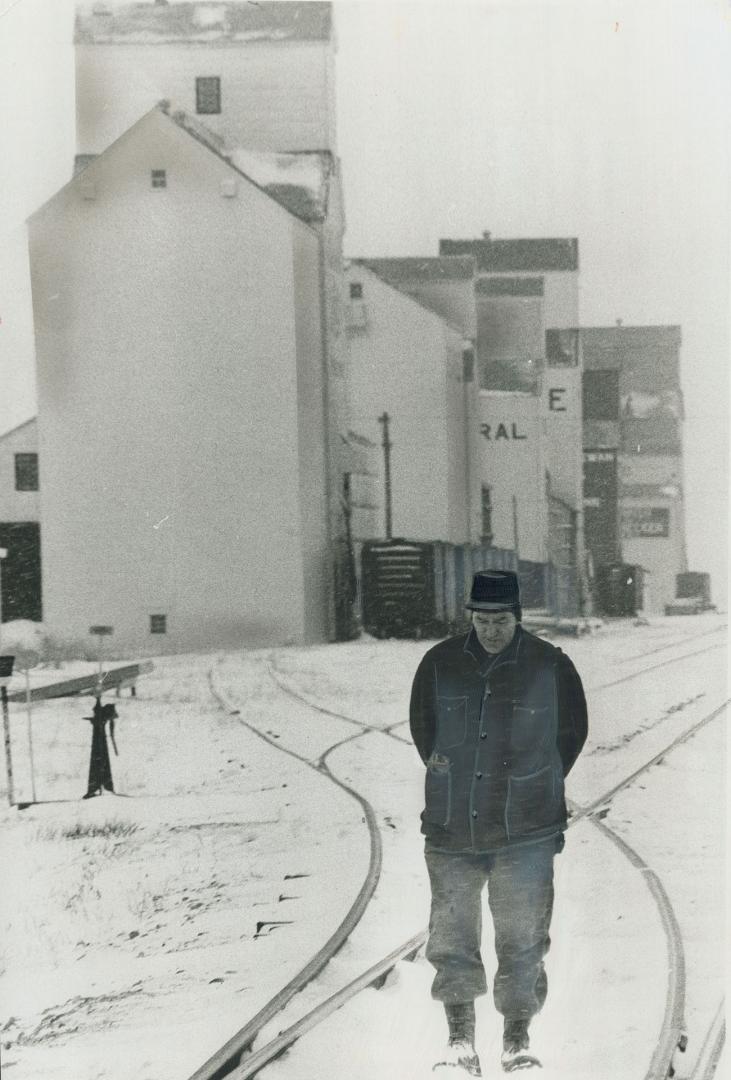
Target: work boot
(458,1060)
(516,1054)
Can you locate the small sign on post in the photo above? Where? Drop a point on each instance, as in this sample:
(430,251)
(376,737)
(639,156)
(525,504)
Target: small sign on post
(100,632)
(6,671)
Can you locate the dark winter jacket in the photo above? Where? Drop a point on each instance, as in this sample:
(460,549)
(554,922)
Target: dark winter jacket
(498,735)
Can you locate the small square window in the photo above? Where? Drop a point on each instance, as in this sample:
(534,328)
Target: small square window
(159,178)
(26,472)
(356,290)
(158,624)
(208,94)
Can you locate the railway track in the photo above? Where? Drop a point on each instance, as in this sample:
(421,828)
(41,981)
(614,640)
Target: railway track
(220,1064)
(654,667)
(390,729)
(721,628)
(236,1060)
(711,1048)
(277,677)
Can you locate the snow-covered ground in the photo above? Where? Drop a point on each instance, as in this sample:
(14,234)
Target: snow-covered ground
(140,932)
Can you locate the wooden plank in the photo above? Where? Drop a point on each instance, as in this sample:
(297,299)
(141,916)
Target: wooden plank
(85,684)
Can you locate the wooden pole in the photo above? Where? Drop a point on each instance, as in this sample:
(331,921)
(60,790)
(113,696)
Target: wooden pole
(100,647)
(387,444)
(100,632)
(8,755)
(29,709)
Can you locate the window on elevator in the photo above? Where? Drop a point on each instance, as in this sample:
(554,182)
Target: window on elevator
(26,472)
(208,95)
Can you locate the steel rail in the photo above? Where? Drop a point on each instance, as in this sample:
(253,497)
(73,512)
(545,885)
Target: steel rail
(227,1056)
(373,976)
(277,677)
(587,811)
(710,1052)
(672,1032)
(672,1035)
(654,667)
(674,644)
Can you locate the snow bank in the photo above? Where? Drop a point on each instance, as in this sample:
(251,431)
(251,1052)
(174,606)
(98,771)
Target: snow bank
(22,634)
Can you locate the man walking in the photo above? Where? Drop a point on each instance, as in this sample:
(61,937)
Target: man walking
(499,718)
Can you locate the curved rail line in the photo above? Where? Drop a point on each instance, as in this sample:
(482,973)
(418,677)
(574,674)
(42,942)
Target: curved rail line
(710,1052)
(228,1061)
(227,1057)
(672,1034)
(277,677)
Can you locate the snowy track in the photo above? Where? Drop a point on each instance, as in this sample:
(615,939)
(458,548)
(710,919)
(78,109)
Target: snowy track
(227,1057)
(712,1048)
(672,1034)
(229,1062)
(282,684)
(603,801)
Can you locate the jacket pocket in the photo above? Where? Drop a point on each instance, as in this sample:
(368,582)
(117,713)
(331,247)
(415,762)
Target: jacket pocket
(532,802)
(452,721)
(438,792)
(530,727)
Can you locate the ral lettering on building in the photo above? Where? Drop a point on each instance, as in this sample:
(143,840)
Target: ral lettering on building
(644,521)
(493,432)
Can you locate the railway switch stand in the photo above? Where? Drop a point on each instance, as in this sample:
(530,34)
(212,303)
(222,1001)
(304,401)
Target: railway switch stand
(100,766)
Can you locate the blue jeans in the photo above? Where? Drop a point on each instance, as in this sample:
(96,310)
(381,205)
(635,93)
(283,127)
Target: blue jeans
(520,894)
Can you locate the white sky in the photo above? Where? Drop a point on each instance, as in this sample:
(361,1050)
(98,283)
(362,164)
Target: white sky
(606,121)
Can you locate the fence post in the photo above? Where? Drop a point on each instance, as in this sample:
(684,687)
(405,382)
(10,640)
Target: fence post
(6,670)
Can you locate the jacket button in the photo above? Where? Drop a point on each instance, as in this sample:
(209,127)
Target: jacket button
(483,734)
(479,776)
(474,813)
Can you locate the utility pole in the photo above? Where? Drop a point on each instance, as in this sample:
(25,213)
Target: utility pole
(386,444)
(3,555)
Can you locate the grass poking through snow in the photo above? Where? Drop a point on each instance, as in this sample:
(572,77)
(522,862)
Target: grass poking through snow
(83,830)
